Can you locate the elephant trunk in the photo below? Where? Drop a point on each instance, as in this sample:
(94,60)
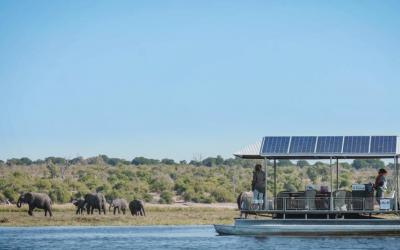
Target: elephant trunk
(19,203)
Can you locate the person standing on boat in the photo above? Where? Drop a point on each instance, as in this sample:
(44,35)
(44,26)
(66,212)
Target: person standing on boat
(258,187)
(380,184)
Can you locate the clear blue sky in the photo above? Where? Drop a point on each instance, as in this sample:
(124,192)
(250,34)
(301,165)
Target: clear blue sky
(178,78)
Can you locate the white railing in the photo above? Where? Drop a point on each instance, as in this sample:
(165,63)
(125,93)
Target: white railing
(359,204)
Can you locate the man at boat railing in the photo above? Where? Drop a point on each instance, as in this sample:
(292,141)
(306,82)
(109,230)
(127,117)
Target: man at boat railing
(258,187)
(380,184)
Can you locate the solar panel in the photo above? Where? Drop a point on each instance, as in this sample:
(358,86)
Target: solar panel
(356,144)
(383,144)
(276,144)
(329,144)
(303,144)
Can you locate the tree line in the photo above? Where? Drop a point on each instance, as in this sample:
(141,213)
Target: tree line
(208,162)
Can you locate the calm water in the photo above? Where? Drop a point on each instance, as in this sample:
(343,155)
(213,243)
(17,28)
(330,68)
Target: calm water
(171,237)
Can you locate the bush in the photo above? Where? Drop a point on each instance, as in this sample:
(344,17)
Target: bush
(166,197)
(222,195)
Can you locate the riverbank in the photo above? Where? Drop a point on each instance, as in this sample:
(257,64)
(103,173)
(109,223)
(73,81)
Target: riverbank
(156,214)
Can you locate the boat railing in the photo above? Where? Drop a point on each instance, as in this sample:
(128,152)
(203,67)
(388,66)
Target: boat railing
(356,204)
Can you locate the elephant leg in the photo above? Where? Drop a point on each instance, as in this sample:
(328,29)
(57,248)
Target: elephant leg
(50,212)
(119,211)
(115,209)
(123,211)
(45,212)
(30,211)
(91,212)
(88,209)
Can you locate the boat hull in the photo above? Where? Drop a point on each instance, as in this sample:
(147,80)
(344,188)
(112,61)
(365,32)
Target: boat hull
(311,227)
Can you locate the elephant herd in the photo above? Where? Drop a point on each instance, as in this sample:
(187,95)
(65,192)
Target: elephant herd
(90,202)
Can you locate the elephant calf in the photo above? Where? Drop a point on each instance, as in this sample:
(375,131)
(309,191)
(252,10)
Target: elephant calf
(36,200)
(118,205)
(80,205)
(137,208)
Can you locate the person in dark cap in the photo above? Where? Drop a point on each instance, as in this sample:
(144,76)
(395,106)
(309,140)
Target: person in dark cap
(258,186)
(380,184)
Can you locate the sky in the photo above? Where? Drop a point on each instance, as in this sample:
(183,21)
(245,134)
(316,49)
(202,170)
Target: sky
(184,79)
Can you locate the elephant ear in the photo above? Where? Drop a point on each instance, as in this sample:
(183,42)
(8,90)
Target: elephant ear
(28,197)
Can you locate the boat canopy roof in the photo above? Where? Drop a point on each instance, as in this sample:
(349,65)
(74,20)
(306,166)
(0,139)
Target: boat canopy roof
(323,147)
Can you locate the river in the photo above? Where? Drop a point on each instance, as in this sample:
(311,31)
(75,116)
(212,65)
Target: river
(171,237)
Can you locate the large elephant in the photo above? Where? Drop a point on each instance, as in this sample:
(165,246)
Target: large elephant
(95,201)
(36,200)
(80,205)
(137,208)
(118,204)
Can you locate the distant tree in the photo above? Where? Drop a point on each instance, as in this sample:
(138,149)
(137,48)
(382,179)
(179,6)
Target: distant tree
(194,163)
(390,165)
(302,163)
(209,161)
(285,163)
(345,165)
(13,161)
(183,162)
(319,164)
(55,160)
(39,162)
(312,174)
(117,161)
(64,167)
(168,161)
(52,170)
(358,164)
(219,160)
(25,161)
(231,162)
(144,161)
(104,158)
(78,161)
(97,160)
(373,163)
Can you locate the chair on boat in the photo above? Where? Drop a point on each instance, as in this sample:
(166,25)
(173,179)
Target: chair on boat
(310,199)
(341,200)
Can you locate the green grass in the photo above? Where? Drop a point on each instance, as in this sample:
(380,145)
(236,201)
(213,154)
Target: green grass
(64,215)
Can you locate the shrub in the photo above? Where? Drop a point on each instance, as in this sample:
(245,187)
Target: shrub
(166,197)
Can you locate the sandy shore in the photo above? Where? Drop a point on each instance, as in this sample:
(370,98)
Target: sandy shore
(156,214)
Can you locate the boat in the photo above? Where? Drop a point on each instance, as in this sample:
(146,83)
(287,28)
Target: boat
(311,227)
(326,212)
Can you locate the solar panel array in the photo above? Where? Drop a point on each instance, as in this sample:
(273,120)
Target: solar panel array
(276,144)
(356,144)
(302,144)
(382,144)
(329,145)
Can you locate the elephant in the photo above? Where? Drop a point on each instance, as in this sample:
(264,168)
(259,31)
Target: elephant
(80,205)
(244,202)
(118,204)
(137,208)
(95,201)
(36,200)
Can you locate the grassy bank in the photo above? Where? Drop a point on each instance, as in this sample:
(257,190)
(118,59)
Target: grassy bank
(64,215)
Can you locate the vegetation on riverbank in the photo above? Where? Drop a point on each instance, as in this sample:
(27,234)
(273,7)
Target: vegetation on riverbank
(207,181)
